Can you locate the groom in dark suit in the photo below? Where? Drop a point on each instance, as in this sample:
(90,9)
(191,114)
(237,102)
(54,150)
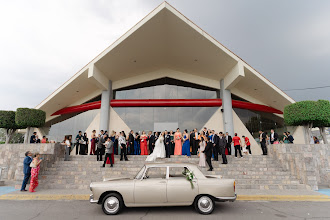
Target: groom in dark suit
(26,169)
(167,144)
(151,139)
(208,153)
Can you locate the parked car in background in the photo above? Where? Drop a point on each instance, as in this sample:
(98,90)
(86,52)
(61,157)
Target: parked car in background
(163,184)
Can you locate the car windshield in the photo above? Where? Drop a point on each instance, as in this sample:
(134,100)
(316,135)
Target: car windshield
(140,173)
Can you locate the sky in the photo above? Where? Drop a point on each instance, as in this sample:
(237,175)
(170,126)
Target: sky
(43,43)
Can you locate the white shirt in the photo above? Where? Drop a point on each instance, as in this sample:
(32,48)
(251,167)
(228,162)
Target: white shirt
(67,143)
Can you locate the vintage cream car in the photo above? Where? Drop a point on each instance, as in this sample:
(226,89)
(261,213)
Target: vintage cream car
(163,184)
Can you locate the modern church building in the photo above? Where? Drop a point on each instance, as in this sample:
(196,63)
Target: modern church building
(166,73)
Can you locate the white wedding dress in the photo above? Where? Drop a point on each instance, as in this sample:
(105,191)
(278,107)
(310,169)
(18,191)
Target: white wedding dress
(159,150)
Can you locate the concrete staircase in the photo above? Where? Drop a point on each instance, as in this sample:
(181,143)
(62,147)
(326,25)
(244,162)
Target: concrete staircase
(250,172)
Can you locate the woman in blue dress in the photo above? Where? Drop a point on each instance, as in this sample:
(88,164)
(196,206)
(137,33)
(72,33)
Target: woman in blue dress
(137,149)
(186,144)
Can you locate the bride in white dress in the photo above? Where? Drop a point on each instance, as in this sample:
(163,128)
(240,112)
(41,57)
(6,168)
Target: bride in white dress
(159,150)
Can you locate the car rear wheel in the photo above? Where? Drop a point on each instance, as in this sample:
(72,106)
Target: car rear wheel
(204,204)
(112,204)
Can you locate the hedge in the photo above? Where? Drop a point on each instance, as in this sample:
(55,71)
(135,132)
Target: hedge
(26,117)
(7,120)
(306,112)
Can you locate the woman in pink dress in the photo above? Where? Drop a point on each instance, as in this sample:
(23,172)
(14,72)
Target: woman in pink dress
(144,143)
(178,144)
(35,167)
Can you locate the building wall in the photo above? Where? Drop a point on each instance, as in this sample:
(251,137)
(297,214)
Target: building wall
(310,163)
(12,157)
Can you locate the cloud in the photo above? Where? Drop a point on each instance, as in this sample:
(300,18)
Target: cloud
(43,43)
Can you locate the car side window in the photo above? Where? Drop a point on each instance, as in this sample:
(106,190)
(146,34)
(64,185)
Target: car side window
(156,172)
(141,172)
(178,172)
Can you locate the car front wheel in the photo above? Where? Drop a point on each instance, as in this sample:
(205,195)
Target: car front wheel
(204,204)
(112,204)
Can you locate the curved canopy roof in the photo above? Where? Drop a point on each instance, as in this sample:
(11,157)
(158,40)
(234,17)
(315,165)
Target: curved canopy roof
(164,39)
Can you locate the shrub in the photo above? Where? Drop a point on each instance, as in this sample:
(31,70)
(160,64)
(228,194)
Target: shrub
(309,114)
(26,117)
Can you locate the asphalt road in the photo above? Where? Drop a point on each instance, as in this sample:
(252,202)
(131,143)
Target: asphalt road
(62,210)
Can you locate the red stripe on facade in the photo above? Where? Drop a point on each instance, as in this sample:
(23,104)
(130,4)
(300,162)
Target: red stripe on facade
(166,103)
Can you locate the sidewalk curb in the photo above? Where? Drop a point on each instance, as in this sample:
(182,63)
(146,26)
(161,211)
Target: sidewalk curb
(319,198)
(84,197)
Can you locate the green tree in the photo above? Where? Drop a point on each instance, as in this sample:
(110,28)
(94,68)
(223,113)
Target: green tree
(7,121)
(308,114)
(27,118)
(323,118)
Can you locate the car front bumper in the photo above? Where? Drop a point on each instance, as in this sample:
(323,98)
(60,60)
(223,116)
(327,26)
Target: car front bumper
(91,199)
(226,199)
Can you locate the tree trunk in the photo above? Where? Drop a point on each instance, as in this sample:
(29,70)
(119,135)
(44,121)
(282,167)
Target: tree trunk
(26,138)
(9,134)
(324,135)
(307,135)
(310,131)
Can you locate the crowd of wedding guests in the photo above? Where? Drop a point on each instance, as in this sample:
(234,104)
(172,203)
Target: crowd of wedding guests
(207,144)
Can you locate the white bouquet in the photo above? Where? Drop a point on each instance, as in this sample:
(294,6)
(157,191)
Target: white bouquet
(190,176)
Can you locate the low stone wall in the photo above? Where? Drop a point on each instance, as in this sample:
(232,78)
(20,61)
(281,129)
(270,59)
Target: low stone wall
(12,156)
(310,163)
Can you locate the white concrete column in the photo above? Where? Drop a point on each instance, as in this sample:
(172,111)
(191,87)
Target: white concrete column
(227,112)
(105,107)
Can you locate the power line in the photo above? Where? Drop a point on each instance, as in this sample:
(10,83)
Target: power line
(319,87)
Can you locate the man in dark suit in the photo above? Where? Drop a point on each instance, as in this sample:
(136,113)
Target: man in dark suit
(290,137)
(195,142)
(222,147)
(273,136)
(101,147)
(131,142)
(263,138)
(33,138)
(208,153)
(167,144)
(215,138)
(78,140)
(206,132)
(191,138)
(26,169)
(229,140)
(151,139)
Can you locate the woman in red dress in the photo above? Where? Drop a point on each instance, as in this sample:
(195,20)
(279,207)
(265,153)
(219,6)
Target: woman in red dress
(144,143)
(35,167)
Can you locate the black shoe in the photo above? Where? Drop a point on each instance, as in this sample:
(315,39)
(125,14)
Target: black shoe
(126,159)
(111,165)
(209,169)
(121,159)
(24,190)
(102,166)
(224,163)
